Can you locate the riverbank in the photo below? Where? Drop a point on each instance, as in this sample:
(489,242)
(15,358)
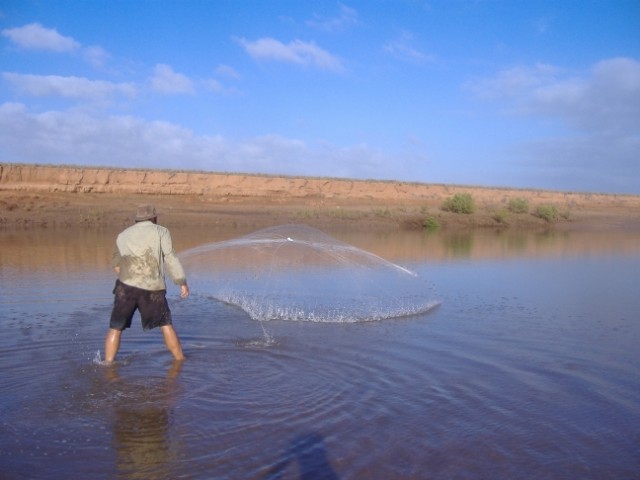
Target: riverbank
(65,196)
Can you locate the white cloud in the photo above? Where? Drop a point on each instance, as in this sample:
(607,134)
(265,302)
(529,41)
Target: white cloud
(67,87)
(36,37)
(600,108)
(79,137)
(166,81)
(297,52)
(346,18)
(605,99)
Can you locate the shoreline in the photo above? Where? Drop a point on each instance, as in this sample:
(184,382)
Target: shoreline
(67,196)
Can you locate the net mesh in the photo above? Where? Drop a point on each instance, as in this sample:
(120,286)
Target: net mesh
(295,272)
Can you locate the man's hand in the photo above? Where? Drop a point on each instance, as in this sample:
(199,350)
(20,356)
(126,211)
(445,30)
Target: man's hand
(184,290)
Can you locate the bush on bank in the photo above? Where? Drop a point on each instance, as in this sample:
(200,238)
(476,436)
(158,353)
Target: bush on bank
(547,212)
(459,203)
(518,205)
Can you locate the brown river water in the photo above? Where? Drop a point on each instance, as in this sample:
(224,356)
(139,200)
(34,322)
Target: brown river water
(528,367)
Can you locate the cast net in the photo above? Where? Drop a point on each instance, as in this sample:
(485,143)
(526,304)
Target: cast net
(295,272)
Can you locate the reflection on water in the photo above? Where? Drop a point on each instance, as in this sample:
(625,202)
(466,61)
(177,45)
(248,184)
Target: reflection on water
(145,446)
(308,455)
(459,244)
(528,369)
(73,249)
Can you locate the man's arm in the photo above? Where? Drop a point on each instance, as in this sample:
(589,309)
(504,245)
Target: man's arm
(172,263)
(115,261)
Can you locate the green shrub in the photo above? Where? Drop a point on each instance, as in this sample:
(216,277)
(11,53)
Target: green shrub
(431,223)
(459,203)
(501,216)
(518,205)
(547,212)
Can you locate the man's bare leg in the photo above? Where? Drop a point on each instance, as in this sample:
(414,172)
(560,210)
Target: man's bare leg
(111,345)
(172,341)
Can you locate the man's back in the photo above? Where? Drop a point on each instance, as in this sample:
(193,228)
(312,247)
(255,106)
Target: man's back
(142,251)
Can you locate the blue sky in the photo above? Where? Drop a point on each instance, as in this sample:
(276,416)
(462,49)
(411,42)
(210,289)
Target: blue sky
(540,94)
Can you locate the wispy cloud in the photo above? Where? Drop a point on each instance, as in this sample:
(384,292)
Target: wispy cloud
(67,87)
(541,25)
(166,81)
(96,55)
(214,85)
(402,48)
(347,17)
(296,52)
(36,37)
(227,71)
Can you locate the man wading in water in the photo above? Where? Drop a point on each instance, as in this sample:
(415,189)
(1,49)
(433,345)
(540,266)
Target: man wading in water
(143,252)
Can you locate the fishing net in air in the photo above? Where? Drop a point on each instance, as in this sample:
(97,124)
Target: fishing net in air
(295,272)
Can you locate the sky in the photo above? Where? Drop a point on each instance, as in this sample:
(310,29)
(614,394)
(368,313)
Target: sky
(527,94)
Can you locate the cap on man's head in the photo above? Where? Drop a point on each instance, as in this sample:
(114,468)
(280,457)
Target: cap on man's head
(146,212)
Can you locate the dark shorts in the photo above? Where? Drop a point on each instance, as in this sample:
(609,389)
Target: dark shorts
(153,307)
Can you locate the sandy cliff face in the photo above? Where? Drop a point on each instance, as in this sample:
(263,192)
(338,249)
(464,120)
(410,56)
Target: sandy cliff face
(106,180)
(49,178)
(46,194)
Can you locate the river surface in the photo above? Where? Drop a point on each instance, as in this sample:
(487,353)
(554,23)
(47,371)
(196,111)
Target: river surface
(528,368)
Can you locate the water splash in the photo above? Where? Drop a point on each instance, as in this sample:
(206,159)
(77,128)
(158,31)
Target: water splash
(295,272)
(97,359)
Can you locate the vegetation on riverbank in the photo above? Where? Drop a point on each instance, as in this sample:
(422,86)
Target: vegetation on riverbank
(32,195)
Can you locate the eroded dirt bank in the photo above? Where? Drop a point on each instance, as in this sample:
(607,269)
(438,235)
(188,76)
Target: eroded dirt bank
(44,195)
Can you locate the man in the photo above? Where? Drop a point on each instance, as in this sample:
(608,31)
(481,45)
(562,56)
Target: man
(143,252)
